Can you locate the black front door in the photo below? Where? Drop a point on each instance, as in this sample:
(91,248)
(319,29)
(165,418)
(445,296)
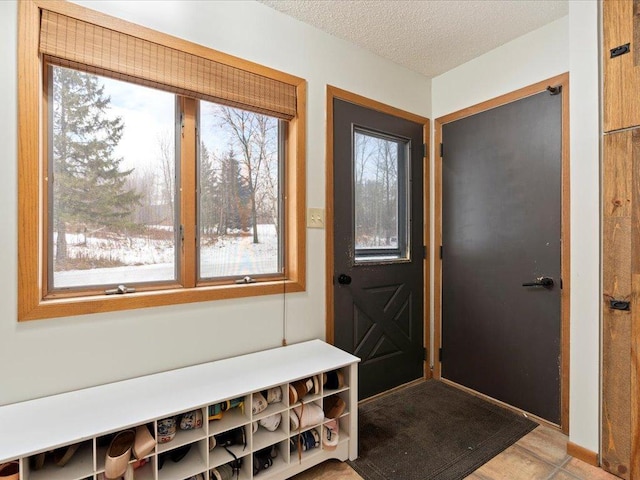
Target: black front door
(378,244)
(501,237)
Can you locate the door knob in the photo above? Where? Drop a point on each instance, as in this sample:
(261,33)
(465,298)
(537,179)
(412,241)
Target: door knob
(344,279)
(545,282)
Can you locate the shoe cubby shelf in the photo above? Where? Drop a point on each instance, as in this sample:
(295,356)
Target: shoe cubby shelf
(90,417)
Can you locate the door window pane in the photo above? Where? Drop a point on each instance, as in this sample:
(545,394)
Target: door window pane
(380,201)
(111,182)
(239,175)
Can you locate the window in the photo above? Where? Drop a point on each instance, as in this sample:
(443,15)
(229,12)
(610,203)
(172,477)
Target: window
(151,168)
(111,171)
(380,164)
(239,193)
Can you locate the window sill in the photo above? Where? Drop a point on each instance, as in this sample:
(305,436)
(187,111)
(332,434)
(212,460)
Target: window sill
(63,307)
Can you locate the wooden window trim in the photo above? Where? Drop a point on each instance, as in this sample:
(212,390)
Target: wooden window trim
(31,255)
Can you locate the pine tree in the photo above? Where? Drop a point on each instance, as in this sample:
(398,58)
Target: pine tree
(234,196)
(255,135)
(209,192)
(88,186)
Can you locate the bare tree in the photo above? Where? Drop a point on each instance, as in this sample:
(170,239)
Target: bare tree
(252,134)
(166,154)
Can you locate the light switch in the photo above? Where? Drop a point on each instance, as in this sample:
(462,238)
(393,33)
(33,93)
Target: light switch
(315,218)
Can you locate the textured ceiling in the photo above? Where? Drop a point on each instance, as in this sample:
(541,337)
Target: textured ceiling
(426,36)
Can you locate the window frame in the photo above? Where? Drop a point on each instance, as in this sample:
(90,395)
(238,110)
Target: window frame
(33,301)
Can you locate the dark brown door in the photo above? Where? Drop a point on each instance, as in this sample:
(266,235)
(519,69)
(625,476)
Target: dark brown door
(378,245)
(501,232)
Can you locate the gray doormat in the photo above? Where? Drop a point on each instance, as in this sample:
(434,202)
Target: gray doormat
(432,431)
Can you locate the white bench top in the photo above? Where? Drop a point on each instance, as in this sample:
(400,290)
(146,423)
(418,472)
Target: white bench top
(49,422)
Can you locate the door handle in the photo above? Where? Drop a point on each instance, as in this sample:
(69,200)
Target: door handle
(344,279)
(545,282)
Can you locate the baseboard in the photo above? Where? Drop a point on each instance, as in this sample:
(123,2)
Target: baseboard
(515,410)
(391,390)
(583,454)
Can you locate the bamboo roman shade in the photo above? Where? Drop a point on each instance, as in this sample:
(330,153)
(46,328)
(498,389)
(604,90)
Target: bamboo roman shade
(69,42)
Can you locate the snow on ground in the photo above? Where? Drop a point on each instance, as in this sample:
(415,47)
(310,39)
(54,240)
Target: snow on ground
(151,260)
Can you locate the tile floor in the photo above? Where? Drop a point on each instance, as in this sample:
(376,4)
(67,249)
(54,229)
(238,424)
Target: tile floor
(540,455)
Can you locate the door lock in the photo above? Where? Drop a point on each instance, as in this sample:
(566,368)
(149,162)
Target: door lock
(545,282)
(344,279)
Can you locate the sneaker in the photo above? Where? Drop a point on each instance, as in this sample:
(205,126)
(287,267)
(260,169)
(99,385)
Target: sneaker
(307,440)
(271,422)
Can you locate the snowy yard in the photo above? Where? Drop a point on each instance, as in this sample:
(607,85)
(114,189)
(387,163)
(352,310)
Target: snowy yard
(148,260)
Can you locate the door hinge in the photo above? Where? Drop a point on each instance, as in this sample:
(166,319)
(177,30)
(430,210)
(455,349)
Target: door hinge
(424,251)
(441,150)
(440,354)
(561,286)
(440,252)
(425,353)
(425,150)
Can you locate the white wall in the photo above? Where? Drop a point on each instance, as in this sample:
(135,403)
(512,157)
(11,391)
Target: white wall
(585,224)
(50,356)
(568,44)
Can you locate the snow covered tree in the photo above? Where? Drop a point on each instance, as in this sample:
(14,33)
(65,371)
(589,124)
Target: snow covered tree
(89,186)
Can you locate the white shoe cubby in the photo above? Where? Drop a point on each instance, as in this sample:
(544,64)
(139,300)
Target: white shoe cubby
(89,418)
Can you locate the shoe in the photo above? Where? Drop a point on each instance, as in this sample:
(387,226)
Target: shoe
(334,406)
(179,453)
(191,420)
(235,436)
(258,403)
(272,422)
(316,384)
(273,395)
(307,440)
(10,471)
(215,411)
(62,455)
(330,435)
(305,415)
(174,455)
(144,443)
(263,459)
(299,389)
(223,472)
(129,475)
(166,429)
(333,380)
(118,454)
